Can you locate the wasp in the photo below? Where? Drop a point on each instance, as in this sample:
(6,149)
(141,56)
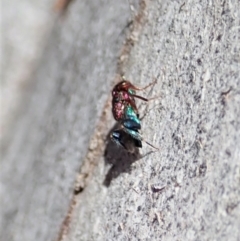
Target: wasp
(125,112)
(123,93)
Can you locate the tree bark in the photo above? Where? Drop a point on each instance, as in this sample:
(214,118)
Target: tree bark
(61,176)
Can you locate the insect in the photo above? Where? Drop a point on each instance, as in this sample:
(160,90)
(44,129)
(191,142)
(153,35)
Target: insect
(123,93)
(121,138)
(130,125)
(126,113)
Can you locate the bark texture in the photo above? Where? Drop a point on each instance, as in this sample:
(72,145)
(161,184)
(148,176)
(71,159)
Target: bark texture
(190,189)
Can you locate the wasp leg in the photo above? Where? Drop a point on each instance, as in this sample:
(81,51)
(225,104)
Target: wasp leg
(137,88)
(131,86)
(143,98)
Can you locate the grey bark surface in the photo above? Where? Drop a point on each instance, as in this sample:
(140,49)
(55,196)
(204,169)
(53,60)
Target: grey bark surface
(190,189)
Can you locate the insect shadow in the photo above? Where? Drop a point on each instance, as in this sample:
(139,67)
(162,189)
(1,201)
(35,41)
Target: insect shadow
(119,158)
